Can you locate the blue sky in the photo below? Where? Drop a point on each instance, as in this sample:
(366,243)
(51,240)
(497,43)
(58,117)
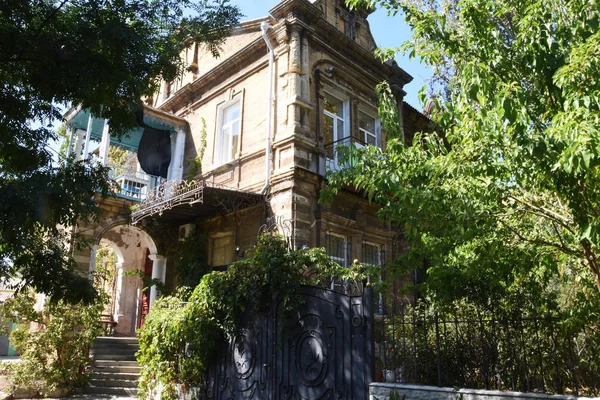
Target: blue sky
(387,31)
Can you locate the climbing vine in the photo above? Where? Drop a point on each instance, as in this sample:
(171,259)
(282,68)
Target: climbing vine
(195,164)
(182,332)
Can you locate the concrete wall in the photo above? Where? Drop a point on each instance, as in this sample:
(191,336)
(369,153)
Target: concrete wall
(382,391)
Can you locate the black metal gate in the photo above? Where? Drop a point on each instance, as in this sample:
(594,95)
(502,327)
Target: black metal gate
(323,350)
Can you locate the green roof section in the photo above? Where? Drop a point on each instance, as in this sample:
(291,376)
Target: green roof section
(131,139)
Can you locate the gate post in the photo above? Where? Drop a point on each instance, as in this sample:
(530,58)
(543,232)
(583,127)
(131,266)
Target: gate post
(368,323)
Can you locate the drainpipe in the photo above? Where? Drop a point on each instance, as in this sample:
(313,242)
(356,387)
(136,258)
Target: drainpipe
(265,26)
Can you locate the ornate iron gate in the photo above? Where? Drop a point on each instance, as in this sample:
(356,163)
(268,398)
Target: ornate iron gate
(321,351)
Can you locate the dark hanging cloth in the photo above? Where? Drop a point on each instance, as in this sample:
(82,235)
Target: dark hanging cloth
(154,151)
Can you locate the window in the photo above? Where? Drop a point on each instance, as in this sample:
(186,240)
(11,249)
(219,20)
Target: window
(228,131)
(338,249)
(368,128)
(222,252)
(335,122)
(373,254)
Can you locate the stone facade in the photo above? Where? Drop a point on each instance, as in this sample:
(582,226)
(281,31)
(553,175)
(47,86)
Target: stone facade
(324,76)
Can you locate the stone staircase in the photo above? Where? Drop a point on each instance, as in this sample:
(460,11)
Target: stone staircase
(115,372)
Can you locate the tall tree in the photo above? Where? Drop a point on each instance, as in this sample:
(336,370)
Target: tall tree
(502,197)
(103,56)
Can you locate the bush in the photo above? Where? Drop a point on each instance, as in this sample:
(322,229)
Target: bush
(53,343)
(182,333)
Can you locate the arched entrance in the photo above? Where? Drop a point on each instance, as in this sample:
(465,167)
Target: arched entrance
(125,254)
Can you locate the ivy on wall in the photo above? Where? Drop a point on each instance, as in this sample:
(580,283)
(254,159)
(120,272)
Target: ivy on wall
(182,332)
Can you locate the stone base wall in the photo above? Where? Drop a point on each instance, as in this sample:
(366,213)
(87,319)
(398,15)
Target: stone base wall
(383,391)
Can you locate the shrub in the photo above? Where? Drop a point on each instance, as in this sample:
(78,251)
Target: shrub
(53,343)
(181,333)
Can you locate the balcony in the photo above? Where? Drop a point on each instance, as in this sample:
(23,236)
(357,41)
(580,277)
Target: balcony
(334,151)
(132,184)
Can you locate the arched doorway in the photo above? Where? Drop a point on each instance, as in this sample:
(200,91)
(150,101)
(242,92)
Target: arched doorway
(123,256)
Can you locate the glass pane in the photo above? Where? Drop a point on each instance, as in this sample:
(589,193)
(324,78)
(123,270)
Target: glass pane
(366,122)
(231,113)
(371,139)
(328,134)
(333,105)
(235,128)
(371,254)
(222,251)
(340,129)
(336,247)
(225,144)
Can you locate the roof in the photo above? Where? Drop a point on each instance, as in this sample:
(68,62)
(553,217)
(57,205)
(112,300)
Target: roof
(187,200)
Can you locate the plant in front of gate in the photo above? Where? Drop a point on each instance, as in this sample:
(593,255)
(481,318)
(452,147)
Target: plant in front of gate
(181,333)
(53,343)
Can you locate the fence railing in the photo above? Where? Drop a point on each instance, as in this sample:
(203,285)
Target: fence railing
(333,161)
(537,354)
(131,183)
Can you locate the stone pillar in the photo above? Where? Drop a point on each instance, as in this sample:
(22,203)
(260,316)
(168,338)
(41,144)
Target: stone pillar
(119,268)
(159,269)
(295,70)
(71,147)
(92,265)
(88,134)
(177,163)
(105,144)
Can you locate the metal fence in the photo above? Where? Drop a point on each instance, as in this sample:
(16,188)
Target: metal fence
(528,354)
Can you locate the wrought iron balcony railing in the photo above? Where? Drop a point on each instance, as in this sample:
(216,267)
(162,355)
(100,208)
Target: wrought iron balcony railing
(333,152)
(133,184)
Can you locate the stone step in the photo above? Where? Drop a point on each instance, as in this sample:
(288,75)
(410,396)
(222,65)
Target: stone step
(113,391)
(123,383)
(117,370)
(117,376)
(115,364)
(117,351)
(116,340)
(114,357)
(125,346)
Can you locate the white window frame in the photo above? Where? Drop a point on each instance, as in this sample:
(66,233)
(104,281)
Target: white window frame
(376,126)
(345,118)
(221,139)
(339,138)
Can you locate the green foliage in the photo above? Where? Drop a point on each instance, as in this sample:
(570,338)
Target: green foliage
(478,349)
(502,198)
(53,343)
(102,57)
(192,262)
(181,334)
(195,165)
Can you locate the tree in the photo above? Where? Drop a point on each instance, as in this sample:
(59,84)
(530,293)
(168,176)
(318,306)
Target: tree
(101,55)
(502,197)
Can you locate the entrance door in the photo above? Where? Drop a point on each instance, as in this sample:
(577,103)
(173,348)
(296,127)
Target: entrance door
(145,299)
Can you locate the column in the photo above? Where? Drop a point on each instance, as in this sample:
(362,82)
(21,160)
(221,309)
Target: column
(88,133)
(105,144)
(92,266)
(159,269)
(78,146)
(119,267)
(295,70)
(179,154)
(70,148)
